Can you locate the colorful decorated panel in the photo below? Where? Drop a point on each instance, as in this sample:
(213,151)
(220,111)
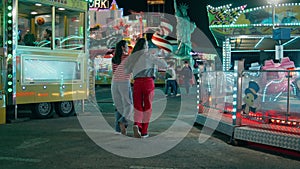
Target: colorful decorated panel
(254,23)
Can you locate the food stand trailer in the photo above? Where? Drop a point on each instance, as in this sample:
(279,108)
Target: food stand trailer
(43,57)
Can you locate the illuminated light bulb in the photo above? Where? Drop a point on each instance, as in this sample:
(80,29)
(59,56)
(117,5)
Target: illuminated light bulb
(233,116)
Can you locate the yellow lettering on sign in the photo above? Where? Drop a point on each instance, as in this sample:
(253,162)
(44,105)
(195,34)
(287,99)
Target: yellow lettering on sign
(97,3)
(101,4)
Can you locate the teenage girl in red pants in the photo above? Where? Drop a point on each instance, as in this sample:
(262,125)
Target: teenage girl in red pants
(143,66)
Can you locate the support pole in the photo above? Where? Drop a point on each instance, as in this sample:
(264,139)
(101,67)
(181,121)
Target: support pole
(237,92)
(82,106)
(16,112)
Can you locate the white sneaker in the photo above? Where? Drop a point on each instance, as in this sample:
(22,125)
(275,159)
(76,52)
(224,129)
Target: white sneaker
(145,136)
(117,133)
(177,94)
(136,132)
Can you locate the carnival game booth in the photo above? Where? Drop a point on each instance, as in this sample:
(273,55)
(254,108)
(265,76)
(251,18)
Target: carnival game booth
(262,105)
(43,56)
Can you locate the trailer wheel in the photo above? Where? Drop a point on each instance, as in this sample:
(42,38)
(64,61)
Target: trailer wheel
(64,109)
(42,110)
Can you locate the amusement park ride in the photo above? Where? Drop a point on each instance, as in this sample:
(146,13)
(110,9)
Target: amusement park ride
(260,104)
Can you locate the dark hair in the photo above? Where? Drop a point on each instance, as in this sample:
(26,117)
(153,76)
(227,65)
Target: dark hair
(49,32)
(118,52)
(137,51)
(19,38)
(196,64)
(29,39)
(140,44)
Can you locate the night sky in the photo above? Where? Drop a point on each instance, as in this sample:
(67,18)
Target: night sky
(197,8)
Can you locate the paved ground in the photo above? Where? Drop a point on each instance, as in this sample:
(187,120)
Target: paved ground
(80,142)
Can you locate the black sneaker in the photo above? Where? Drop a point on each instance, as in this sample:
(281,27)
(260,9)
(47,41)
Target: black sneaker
(145,136)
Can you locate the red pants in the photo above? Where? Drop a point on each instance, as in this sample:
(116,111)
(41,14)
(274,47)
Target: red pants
(143,92)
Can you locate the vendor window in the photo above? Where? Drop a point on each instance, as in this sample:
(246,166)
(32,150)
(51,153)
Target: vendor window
(35,27)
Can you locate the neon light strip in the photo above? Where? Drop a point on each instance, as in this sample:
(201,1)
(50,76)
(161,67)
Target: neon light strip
(290,41)
(252,25)
(285,50)
(270,6)
(259,42)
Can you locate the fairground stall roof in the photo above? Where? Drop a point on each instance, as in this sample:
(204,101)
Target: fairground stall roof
(252,29)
